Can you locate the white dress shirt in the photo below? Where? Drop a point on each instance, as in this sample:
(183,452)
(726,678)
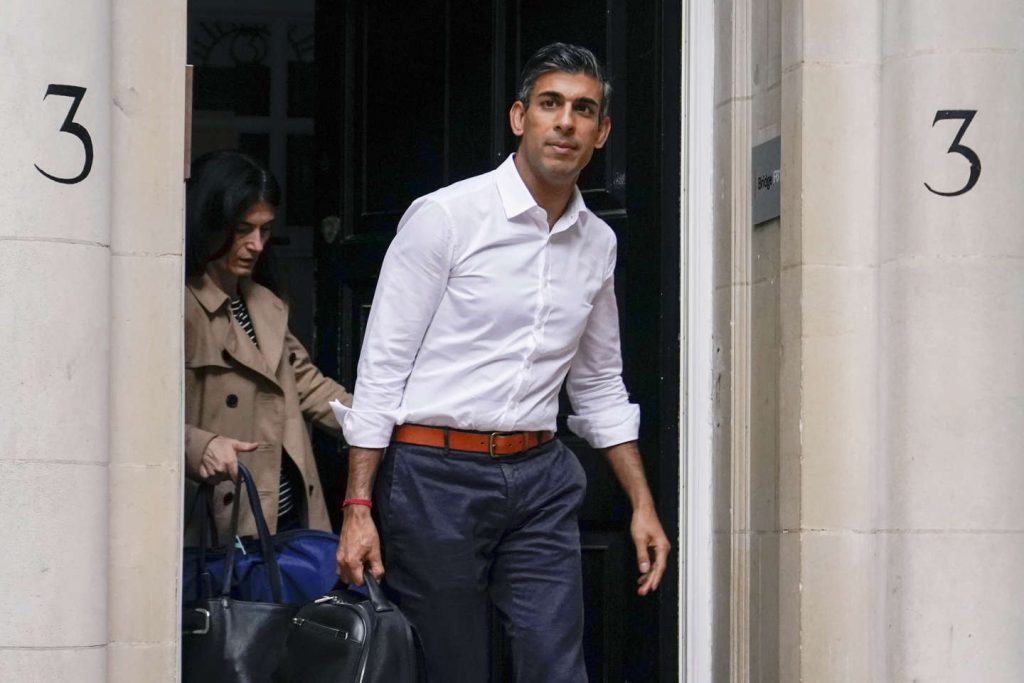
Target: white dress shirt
(480,313)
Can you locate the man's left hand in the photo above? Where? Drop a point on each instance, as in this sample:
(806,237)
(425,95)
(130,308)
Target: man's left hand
(650,540)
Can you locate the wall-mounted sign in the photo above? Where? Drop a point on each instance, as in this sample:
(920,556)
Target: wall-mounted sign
(766,165)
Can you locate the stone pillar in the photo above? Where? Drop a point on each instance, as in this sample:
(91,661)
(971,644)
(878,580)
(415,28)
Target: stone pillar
(90,346)
(829,458)
(148,94)
(952,333)
(901,417)
(54,340)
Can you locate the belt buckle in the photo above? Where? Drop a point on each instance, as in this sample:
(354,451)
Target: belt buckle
(491,445)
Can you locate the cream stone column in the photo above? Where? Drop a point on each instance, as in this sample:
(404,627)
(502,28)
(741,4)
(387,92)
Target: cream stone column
(831,579)
(796,345)
(900,318)
(952,334)
(148,94)
(54,339)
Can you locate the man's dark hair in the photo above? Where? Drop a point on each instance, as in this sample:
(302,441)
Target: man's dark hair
(223,187)
(572,59)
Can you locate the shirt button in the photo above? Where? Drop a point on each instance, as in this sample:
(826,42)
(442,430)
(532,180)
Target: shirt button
(231,401)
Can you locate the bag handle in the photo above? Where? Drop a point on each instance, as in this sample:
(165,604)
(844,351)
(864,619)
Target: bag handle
(379,601)
(208,527)
(266,546)
(201,502)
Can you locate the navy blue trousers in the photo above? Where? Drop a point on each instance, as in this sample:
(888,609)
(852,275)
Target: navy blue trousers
(461,531)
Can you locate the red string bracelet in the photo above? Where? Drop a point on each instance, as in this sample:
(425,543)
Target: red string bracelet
(357,501)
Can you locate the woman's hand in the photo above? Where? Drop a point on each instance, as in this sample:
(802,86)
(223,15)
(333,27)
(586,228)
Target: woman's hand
(220,459)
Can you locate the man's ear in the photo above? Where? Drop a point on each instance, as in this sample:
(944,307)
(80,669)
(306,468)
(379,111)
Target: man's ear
(516,117)
(603,131)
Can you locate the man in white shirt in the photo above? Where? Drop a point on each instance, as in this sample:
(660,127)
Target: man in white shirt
(494,292)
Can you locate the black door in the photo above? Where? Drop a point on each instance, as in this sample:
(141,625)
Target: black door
(413,96)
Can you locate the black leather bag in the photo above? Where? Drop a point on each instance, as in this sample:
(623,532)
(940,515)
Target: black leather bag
(347,637)
(225,640)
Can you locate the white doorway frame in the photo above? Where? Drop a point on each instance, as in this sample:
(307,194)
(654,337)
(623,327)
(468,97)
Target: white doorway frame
(695,391)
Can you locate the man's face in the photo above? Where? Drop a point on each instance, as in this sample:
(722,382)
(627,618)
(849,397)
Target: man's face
(561,128)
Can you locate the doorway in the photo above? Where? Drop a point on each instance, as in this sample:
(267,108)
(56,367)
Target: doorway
(254,90)
(361,106)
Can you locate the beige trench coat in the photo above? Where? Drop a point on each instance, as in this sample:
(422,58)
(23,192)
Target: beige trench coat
(258,394)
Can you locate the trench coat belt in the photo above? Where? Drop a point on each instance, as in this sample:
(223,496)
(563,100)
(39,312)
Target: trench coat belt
(495,444)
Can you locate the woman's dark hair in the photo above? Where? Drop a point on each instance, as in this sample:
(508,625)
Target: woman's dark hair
(223,187)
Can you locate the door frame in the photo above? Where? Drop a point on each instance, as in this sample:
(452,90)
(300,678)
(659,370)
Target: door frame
(695,391)
(694,544)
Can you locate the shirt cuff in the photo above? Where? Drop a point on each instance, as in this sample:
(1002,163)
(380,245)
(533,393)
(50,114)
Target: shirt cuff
(609,427)
(364,428)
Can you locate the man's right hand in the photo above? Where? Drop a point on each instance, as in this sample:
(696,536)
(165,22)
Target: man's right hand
(220,459)
(359,545)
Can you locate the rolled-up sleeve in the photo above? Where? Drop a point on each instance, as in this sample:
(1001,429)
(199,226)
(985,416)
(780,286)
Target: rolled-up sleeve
(603,416)
(412,281)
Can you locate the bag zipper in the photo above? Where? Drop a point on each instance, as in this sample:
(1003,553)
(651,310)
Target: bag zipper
(326,630)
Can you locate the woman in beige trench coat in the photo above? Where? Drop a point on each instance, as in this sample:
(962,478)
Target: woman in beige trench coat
(249,383)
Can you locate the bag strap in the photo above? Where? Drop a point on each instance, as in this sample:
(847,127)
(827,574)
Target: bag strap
(266,540)
(203,502)
(229,558)
(263,532)
(379,601)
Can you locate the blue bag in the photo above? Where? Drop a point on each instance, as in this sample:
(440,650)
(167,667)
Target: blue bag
(305,557)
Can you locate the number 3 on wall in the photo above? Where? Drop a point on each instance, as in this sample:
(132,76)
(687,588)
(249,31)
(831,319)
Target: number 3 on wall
(70,126)
(956,148)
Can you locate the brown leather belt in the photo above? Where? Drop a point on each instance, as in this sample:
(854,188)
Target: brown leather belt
(494,444)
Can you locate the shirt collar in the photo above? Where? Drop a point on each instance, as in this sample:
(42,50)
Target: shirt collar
(515,197)
(517,200)
(574,212)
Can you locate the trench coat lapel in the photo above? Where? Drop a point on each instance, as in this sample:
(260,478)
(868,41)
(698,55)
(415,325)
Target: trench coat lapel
(269,319)
(241,348)
(236,342)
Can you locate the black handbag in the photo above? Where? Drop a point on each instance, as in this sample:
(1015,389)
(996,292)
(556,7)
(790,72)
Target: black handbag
(226,640)
(348,637)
